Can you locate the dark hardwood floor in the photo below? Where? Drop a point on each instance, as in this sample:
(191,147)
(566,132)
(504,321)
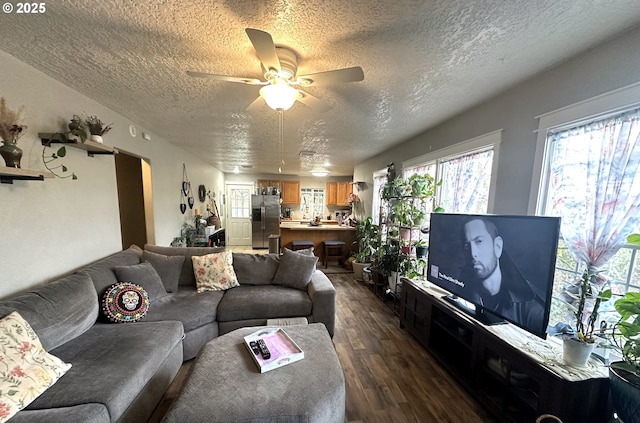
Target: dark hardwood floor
(389,376)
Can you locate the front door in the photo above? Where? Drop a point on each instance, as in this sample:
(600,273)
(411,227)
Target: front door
(239,214)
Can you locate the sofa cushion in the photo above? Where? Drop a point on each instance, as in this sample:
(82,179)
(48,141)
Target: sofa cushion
(295,269)
(214,272)
(145,275)
(125,302)
(168,267)
(255,269)
(58,311)
(188,306)
(101,271)
(85,413)
(27,369)
(263,302)
(186,275)
(111,365)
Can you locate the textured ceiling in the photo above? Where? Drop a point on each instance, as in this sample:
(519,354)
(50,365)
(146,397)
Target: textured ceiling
(423,61)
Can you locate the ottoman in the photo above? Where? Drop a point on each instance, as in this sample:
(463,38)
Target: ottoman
(225,385)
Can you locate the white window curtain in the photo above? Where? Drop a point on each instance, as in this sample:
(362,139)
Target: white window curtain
(466,180)
(379,179)
(595,185)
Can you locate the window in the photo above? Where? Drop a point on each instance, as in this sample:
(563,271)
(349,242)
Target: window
(240,203)
(312,202)
(466,171)
(379,180)
(593,182)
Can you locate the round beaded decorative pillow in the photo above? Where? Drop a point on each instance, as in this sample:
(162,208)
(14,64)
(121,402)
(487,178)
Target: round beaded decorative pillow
(125,302)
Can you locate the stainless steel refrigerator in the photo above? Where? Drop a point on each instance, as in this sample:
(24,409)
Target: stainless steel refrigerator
(265,219)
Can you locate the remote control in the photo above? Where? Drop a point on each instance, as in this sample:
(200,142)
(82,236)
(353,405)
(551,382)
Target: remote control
(263,349)
(254,347)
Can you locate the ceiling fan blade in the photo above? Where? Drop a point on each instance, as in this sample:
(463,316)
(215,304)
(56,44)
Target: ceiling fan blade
(256,105)
(313,102)
(337,76)
(250,81)
(265,48)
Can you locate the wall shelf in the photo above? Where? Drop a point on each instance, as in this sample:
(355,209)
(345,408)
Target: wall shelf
(9,174)
(91,147)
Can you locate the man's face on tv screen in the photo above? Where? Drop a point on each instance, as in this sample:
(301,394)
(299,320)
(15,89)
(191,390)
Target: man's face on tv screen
(480,248)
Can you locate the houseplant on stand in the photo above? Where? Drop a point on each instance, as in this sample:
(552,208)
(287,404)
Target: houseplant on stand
(624,376)
(11,129)
(367,235)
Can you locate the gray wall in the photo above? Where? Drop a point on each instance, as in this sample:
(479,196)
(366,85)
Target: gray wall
(610,66)
(50,228)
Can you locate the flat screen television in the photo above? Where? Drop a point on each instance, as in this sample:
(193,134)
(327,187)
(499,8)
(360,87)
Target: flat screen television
(503,266)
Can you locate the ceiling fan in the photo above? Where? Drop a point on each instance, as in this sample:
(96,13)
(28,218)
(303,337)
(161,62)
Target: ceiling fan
(280,64)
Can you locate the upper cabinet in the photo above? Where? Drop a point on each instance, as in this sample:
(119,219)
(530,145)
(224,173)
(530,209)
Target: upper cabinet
(332,193)
(290,192)
(338,193)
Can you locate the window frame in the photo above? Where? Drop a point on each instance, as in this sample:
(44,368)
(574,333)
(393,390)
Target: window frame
(594,108)
(314,192)
(489,141)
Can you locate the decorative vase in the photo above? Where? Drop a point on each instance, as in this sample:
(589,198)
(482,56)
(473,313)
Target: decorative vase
(574,352)
(625,392)
(96,138)
(11,154)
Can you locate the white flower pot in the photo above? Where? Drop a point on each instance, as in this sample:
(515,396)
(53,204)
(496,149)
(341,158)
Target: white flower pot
(96,138)
(576,353)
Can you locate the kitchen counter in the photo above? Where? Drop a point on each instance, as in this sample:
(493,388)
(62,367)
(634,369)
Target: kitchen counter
(323,227)
(317,234)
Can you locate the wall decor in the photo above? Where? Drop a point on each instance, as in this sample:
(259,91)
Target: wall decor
(186,190)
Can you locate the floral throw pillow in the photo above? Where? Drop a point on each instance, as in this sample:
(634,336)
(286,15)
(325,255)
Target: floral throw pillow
(214,272)
(26,369)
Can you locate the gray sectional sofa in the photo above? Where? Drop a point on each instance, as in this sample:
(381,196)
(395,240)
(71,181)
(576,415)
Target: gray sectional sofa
(120,371)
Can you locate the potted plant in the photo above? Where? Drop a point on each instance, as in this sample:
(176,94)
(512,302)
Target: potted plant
(75,133)
(624,376)
(421,248)
(367,235)
(422,185)
(96,128)
(11,129)
(583,298)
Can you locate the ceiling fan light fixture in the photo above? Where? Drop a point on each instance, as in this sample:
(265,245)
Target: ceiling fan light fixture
(279,95)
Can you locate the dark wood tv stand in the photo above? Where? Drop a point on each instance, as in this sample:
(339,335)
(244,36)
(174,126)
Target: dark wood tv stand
(509,383)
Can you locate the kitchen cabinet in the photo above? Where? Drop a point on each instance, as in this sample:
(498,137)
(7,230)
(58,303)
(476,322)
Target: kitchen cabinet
(332,193)
(290,192)
(343,190)
(338,193)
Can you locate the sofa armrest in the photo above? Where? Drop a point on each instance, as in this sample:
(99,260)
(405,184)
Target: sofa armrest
(323,296)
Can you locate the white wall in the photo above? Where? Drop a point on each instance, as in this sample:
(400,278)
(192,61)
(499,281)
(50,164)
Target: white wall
(50,228)
(610,66)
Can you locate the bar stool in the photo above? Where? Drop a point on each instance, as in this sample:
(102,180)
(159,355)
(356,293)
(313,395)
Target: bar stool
(332,251)
(301,244)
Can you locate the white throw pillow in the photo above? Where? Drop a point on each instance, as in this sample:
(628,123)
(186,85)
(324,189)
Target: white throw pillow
(214,272)
(26,369)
